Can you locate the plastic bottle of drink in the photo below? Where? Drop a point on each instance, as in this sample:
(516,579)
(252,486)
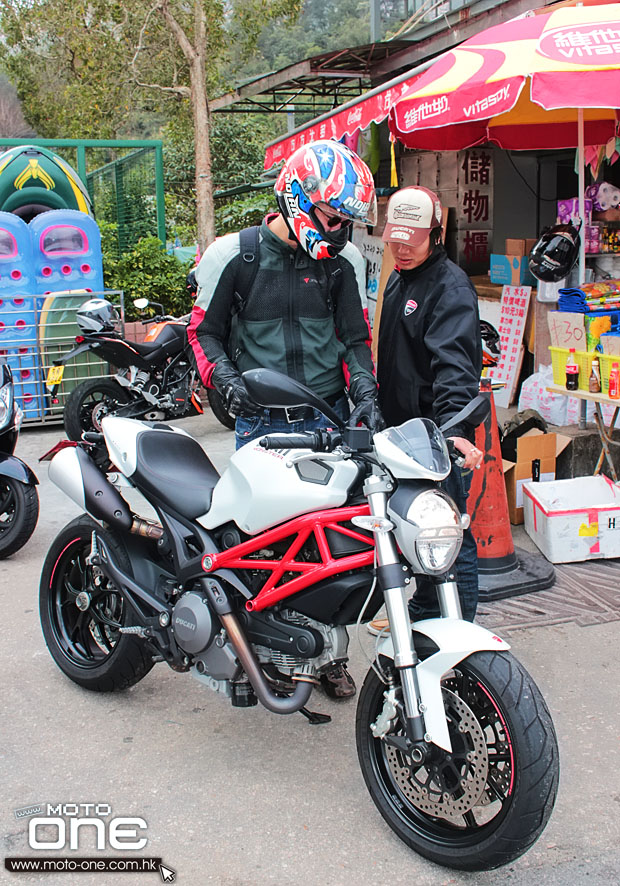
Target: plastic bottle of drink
(614,382)
(572,372)
(595,378)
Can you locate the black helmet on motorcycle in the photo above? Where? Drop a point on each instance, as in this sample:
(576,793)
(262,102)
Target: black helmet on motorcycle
(491,349)
(555,254)
(97,315)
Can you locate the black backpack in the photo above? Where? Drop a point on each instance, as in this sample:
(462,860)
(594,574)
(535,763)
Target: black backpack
(247,268)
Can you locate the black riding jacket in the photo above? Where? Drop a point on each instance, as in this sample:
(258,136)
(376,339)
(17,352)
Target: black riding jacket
(430,357)
(295,319)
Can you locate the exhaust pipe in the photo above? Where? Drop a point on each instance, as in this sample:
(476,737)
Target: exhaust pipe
(73,471)
(250,665)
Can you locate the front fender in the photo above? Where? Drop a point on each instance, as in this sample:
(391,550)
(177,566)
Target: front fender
(16,469)
(456,640)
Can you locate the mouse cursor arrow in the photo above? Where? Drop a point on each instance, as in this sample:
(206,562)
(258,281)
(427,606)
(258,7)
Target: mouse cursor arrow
(167,874)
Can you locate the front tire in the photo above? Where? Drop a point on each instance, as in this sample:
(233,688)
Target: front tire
(84,639)
(19,512)
(219,410)
(488,801)
(87,405)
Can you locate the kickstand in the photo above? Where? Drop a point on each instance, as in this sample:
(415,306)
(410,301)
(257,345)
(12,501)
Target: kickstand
(314,718)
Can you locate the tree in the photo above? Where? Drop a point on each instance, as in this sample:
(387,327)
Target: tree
(12,121)
(85,65)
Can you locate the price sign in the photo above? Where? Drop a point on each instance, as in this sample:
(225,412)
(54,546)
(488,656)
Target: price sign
(567,330)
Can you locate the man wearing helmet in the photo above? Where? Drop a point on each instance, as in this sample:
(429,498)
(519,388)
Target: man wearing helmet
(304,313)
(429,357)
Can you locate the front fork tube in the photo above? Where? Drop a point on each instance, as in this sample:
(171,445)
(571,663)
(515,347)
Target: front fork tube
(393,581)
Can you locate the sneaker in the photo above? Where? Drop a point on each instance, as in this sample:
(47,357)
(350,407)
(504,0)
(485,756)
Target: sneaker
(378,626)
(338,683)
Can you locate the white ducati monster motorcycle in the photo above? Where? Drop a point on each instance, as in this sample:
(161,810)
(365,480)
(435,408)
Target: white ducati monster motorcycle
(248,582)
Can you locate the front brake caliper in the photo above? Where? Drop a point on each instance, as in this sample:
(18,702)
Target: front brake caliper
(386,720)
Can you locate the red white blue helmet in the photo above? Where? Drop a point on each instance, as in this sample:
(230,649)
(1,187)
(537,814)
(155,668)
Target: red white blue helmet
(328,177)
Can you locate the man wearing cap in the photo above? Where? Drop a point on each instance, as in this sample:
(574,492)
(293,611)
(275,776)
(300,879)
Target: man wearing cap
(429,356)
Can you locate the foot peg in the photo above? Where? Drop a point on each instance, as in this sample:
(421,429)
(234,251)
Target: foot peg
(314,718)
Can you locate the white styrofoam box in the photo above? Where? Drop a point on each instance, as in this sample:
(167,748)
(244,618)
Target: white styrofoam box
(572,520)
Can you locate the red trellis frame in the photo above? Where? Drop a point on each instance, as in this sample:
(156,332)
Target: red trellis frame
(302,528)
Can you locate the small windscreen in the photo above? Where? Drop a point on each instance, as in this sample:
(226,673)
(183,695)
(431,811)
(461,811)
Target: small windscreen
(421,440)
(63,239)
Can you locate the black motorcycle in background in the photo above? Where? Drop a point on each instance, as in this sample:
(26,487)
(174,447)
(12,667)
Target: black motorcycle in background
(155,379)
(19,500)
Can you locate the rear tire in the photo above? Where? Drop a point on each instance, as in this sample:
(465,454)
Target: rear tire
(19,512)
(87,404)
(219,410)
(488,801)
(85,643)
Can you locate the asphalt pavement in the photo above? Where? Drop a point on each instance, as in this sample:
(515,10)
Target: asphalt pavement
(242,797)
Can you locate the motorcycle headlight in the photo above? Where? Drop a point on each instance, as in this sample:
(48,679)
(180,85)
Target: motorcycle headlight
(6,406)
(429,529)
(441,533)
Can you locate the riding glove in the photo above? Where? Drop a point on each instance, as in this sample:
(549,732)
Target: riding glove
(230,386)
(363,392)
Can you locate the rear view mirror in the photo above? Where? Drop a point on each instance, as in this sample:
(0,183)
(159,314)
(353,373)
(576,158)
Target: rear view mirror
(141,303)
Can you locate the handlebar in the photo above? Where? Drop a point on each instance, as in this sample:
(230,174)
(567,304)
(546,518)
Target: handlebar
(157,319)
(290,441)
(317,441)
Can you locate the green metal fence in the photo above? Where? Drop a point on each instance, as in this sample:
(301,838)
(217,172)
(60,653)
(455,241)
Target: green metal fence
(124,179)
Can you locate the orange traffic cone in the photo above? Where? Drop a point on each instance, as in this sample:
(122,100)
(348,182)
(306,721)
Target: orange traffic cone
(502,571)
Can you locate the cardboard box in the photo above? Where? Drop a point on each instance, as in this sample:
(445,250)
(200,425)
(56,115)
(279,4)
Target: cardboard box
(573,520)
(566,330)
(610,342)
(530,244)
(511,270)
(515,247)
(518,471)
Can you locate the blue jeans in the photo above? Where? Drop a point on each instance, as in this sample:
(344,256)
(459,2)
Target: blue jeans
(248,429)
(424,602)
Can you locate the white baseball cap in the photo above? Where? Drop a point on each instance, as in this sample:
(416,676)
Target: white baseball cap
(412,213)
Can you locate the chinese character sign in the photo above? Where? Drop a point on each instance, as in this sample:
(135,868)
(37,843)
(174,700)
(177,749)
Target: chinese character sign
(514,307)
(475,209)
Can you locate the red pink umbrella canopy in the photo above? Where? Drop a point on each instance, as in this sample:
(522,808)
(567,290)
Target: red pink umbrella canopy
(519,85)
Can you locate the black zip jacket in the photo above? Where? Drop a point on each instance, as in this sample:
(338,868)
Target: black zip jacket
(292,320)
(429,356)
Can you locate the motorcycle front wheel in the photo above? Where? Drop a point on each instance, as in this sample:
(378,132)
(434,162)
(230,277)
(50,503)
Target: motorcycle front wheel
(19,512)
(219,410)
(485,803)
(81,612)
(89,403)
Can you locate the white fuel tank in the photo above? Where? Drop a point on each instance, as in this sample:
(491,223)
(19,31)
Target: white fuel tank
(261,488)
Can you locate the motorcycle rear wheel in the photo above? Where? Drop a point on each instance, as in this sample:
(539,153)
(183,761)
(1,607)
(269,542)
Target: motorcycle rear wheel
(85,642)
(87,404)
(488,801)
(219,410)
(19,512)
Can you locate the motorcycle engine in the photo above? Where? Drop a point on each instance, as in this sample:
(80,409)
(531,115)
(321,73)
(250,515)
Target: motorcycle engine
(193,624)
(179,389)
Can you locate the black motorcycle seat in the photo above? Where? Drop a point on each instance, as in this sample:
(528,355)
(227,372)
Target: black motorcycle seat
(145,348)
(176,470)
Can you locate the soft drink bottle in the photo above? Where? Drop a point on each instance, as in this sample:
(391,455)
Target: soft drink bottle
(572,372)
(614,382)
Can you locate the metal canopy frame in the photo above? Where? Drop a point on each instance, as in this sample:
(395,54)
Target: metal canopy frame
(314,85)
